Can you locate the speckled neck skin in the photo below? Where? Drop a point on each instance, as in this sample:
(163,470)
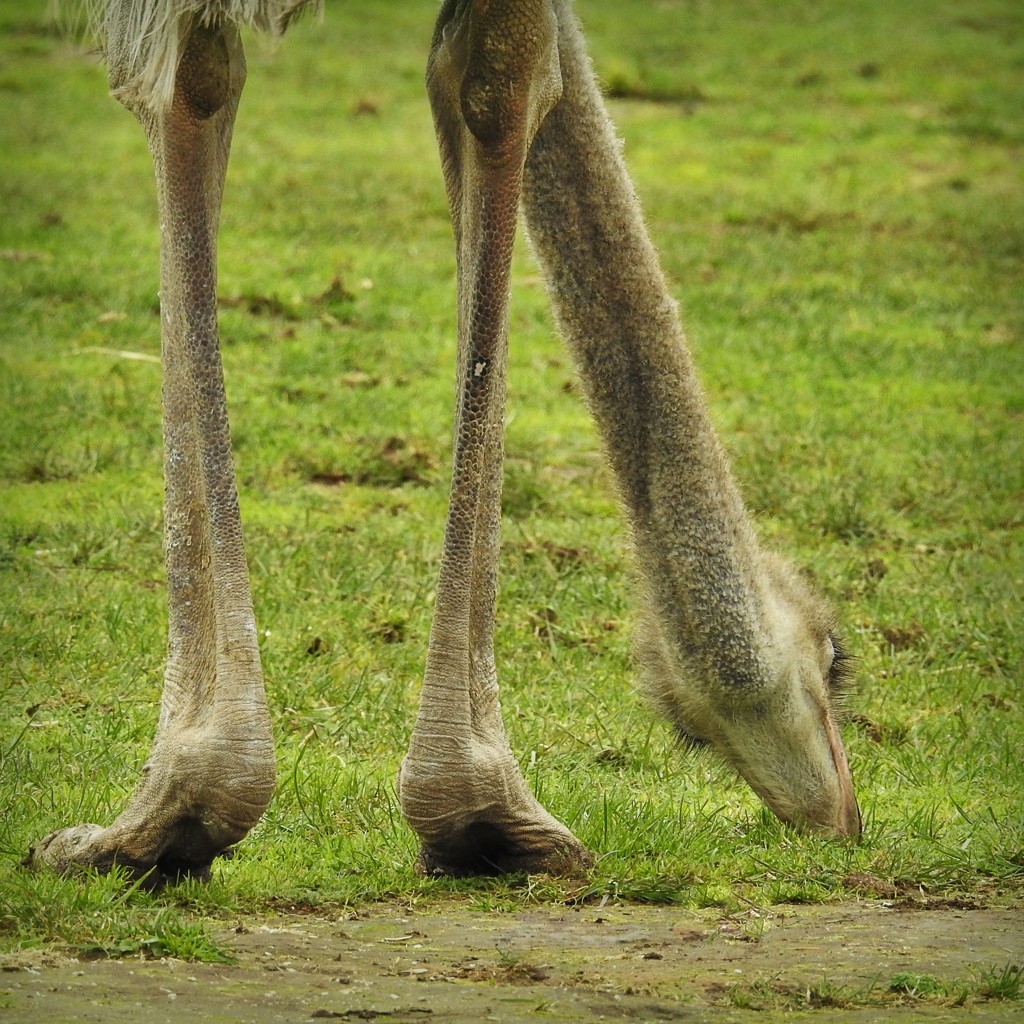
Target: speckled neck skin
(613,307)
(692,534)
(735,648)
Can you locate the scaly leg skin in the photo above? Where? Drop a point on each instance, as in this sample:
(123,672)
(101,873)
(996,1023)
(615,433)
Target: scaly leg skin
(210,774)
(493,76)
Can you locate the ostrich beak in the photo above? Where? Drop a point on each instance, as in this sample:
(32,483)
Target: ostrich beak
(848,821)
(826,807)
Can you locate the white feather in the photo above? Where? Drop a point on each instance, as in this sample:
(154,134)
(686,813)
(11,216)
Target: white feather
(142,39)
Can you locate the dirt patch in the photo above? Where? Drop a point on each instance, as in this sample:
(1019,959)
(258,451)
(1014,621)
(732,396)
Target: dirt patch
(449,964)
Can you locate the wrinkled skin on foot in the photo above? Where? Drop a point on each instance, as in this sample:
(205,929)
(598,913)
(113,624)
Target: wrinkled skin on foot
(198,796)
(479,817)
(84,847)
(161,836)
(483,848)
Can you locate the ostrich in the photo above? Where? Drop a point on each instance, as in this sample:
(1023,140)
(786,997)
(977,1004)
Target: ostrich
(735,648)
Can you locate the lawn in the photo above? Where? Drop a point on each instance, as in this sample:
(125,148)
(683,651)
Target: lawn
(837,197)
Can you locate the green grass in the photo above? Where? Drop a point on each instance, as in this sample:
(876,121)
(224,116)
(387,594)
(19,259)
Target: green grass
(903,989)
(837,196)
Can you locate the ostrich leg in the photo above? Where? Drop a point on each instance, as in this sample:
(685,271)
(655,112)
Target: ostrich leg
(492,77)
(210,774)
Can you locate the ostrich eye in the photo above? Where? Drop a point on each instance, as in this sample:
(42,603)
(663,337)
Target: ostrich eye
(838,673)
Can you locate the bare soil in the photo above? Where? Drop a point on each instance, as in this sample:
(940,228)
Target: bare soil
(450,964)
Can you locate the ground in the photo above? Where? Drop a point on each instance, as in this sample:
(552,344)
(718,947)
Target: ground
(634,963)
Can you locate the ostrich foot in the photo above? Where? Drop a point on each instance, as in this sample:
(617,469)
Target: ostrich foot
(195,801)
(481,819)
(484,847)
(81,847)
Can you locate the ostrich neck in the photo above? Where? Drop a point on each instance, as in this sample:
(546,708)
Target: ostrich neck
(693,537)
